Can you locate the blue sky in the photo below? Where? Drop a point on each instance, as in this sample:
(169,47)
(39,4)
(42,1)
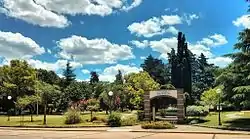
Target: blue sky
(107,35)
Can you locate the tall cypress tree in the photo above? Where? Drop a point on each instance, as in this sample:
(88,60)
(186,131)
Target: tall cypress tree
(119,78)
(69,75)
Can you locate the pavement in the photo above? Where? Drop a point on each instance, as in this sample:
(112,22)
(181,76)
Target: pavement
(39,134)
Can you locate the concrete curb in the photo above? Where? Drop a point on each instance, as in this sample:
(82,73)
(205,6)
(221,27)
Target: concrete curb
(223,128)
(124,130)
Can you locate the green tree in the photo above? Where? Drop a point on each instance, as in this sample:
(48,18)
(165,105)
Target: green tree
(156,69)
(210,97)
(49,77)
(77,91)
(92,105)
(46,92)
(236,77)
(69,75)
(18,79)
(30,102)
(94,77)
(137,84)
(119,78)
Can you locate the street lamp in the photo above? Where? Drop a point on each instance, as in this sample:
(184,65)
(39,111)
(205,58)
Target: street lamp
(219,107)
(110,93)
(9,98)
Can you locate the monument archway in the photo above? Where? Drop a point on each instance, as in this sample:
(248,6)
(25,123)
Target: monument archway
(176,95)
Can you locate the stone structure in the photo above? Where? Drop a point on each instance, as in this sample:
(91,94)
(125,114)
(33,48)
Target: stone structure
(177,94)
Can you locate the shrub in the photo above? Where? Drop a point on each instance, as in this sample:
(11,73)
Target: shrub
(73,117)
(157,125)
(128,121)
(114,120)
(197,111)
(140,115)
(163,112)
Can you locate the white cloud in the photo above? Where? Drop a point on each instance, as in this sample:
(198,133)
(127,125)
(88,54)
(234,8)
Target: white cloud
(33,13)
(95,51)
(243,21)
(214,40)
(49,51)
(83,80)
(142,57)
(164,45)
(51,13)
(60,64)
(85,71)
(190,17)
(139,44)
(109,73)
(133,5)
(220,61)
(197,49)
(15,45)
(156,26)
(170,20)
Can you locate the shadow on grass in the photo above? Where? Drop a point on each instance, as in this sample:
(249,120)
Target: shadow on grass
(239,123)
(28,121)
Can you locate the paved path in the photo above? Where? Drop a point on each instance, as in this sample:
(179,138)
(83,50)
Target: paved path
(29,134)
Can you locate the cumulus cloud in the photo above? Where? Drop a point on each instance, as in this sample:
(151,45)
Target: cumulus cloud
(142,57)
(85,71)
(33,13)
(243,21)
(214,40)
(51,13)
(220,61)
(109,73)
(159,25)
(93,51)
(15,45)
(165,45)
(54,66)
(139,44)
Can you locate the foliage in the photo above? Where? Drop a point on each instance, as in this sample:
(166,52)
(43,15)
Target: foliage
(210,97)
(235,77)
(156,69)
(18,79)
(94,77)
(137,84)
(114,120)
(69,75)
(197,111)
(73,116)
(49,77)
(140,115)
(167,86)
(119,78)
(157,125)
(92,104)
(77,91)
(128,120)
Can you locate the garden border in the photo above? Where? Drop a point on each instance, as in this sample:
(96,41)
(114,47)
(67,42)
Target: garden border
(223,127)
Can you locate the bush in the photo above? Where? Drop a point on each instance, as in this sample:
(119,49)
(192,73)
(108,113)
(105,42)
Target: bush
(157,125)
(128,121)
(163,112)
(73,117)
(140,115)
(197,111)
(114,120)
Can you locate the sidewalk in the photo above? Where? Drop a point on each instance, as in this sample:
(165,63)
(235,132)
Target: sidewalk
(188,129)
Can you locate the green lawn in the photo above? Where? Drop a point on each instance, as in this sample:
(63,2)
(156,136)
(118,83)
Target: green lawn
(52,120)
(229,119)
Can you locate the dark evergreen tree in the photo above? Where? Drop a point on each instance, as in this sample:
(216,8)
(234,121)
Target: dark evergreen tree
(119,78)
(156,69)
(69,75)
(94,77)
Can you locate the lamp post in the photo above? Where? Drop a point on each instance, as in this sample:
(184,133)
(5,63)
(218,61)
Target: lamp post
(219,107)
(110,93)
(9,98)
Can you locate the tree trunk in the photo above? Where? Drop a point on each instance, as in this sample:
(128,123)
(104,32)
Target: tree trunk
(91,115)
(31,117)
(45,112)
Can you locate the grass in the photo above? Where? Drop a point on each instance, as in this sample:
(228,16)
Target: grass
(52,120)
(229,119)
